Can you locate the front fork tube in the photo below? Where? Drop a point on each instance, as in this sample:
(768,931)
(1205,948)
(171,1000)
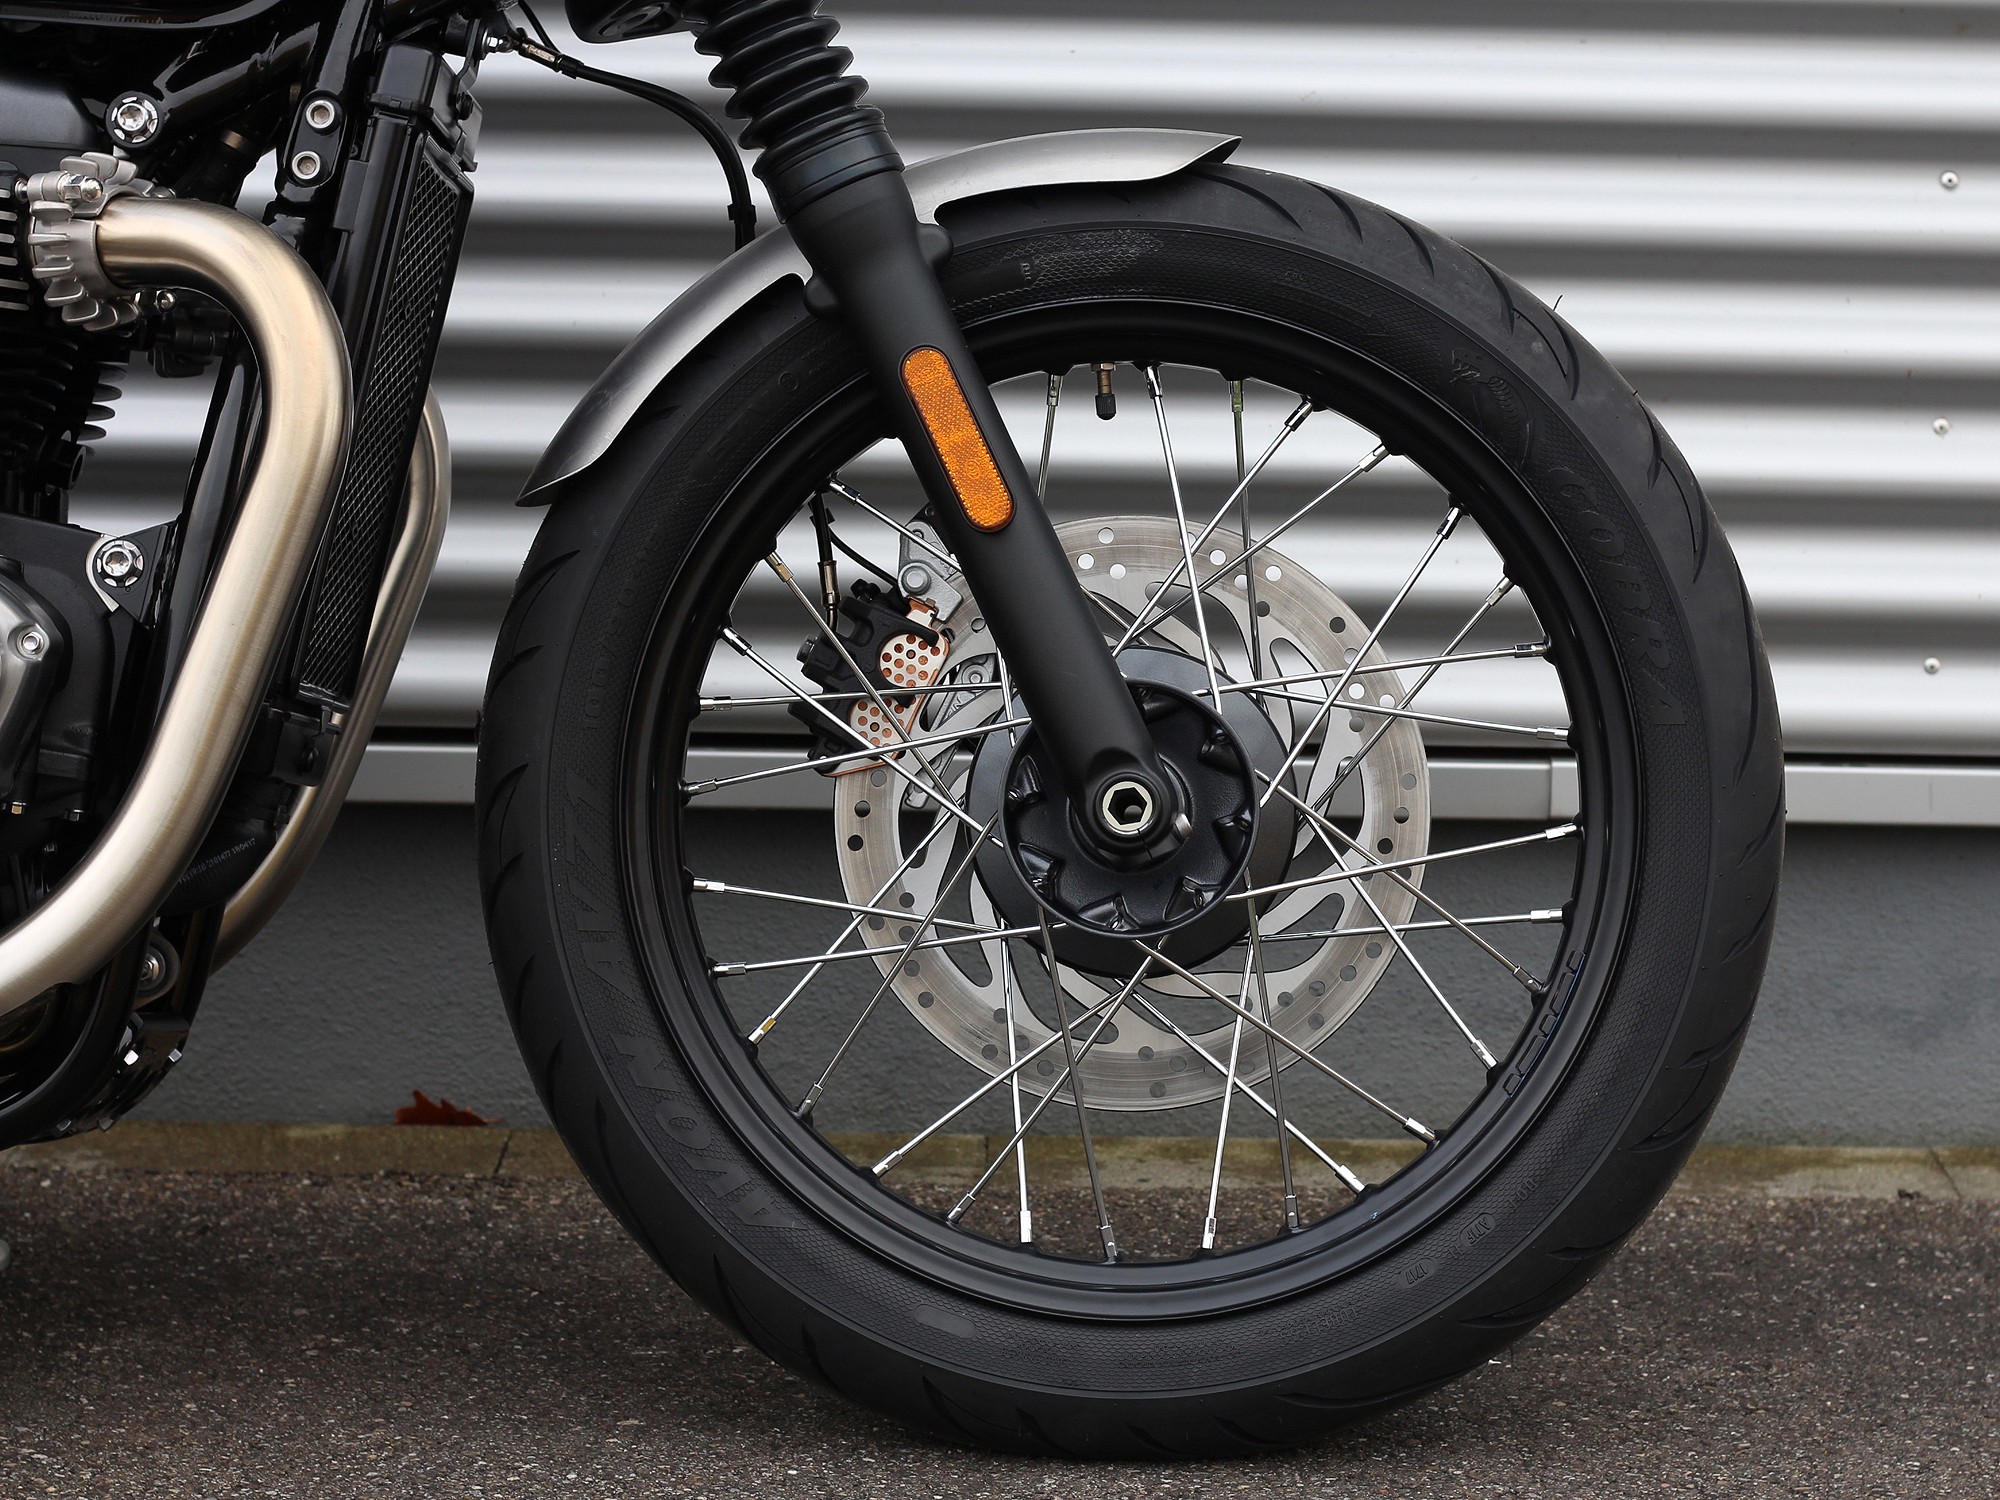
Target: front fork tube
(867,249)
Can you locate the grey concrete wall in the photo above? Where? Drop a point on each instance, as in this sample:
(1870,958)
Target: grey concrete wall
(1879,1023)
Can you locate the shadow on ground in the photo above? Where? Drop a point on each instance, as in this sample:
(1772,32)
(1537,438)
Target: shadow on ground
(169,1335)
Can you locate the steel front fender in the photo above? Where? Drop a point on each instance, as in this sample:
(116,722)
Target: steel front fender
(1071,156)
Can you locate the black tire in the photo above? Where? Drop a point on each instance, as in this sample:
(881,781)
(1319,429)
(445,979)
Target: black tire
(1606,1098)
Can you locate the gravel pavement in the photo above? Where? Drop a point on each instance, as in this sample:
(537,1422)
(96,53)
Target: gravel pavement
(213,1335)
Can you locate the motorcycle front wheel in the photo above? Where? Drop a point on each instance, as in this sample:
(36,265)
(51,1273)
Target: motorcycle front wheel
(828,1018)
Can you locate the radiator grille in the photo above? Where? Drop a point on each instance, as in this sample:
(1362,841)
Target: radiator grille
(389,401)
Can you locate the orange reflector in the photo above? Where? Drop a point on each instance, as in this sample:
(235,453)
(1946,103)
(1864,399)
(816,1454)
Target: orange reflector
(982,493)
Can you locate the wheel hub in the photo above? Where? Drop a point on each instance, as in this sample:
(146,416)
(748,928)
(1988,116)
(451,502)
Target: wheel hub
(1333,950)
(1172,893)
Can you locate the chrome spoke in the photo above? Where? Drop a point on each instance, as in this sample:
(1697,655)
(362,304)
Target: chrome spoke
(1243,522)
(1048,444)
(1367,896)
(1290,1131)
(1104,1230)
(1487,605)
(818,1090)
(1228,1097)
(732,970)
(890,761)
(1291,425)
(1445,529)
(1409,664)
(1014,1070)
(725,702)
(1355,705)
(1328,831)
(1305,1054)
(725,888)
(1159,398)
(873,752)
(1277,1075)
(1027,1229)
(914,537)
(763,1028)
(1546,835)
(1367,465)
(1516,919)
(1111,1008)
(832,637)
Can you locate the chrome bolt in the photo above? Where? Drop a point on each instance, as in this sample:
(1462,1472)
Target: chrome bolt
(1941,426)
(152,969)
(322,113)
(915,580)
(1947,180)
(306,166)
(32,644)
(1932,665)
(76,187)
(119,563)
(134,119)
(163,301)
(1126,807)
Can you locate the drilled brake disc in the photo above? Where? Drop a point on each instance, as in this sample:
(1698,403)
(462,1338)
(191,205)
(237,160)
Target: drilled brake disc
(1324,950)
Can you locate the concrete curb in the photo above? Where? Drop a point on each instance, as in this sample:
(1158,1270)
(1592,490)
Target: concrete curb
(1968,1172)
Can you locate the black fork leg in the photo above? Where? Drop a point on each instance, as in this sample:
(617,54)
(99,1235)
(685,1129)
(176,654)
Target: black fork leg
(837,182)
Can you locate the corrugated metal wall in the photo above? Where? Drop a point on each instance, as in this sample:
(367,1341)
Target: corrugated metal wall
(1744,203)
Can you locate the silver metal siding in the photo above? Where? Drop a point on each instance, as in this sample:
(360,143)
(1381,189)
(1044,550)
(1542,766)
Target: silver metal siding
(1741,204)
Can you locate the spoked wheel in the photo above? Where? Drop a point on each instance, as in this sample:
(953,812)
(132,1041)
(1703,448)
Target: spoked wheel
(1211,1151)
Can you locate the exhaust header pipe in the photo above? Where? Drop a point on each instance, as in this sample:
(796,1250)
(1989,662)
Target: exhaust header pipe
(302,360)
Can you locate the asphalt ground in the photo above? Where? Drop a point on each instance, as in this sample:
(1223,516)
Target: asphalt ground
(209,1334)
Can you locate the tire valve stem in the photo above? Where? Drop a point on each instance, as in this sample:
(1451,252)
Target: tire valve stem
(1107,399)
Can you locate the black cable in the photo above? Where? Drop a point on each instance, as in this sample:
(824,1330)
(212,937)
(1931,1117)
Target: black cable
(742,209)
(876,568)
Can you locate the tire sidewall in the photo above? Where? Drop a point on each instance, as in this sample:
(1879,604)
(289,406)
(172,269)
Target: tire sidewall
(676,1166)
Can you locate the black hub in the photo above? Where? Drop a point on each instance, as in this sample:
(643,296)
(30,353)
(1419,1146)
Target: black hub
(1168,884)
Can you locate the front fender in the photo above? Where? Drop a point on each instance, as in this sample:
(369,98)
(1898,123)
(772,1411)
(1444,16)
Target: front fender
(1070,156)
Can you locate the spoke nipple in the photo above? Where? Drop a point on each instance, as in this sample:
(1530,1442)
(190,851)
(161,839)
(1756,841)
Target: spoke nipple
(1208,1234)
(709,887)
(1421,1131)
(1027,1227)
(958,1210)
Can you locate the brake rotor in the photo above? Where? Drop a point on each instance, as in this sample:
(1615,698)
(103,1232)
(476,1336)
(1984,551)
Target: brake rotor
(1315,981)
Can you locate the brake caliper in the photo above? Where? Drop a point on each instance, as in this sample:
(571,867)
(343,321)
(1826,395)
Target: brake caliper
(901,650)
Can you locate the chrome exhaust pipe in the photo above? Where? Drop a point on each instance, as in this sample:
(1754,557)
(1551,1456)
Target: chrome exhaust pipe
(302,361)
(424,515)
